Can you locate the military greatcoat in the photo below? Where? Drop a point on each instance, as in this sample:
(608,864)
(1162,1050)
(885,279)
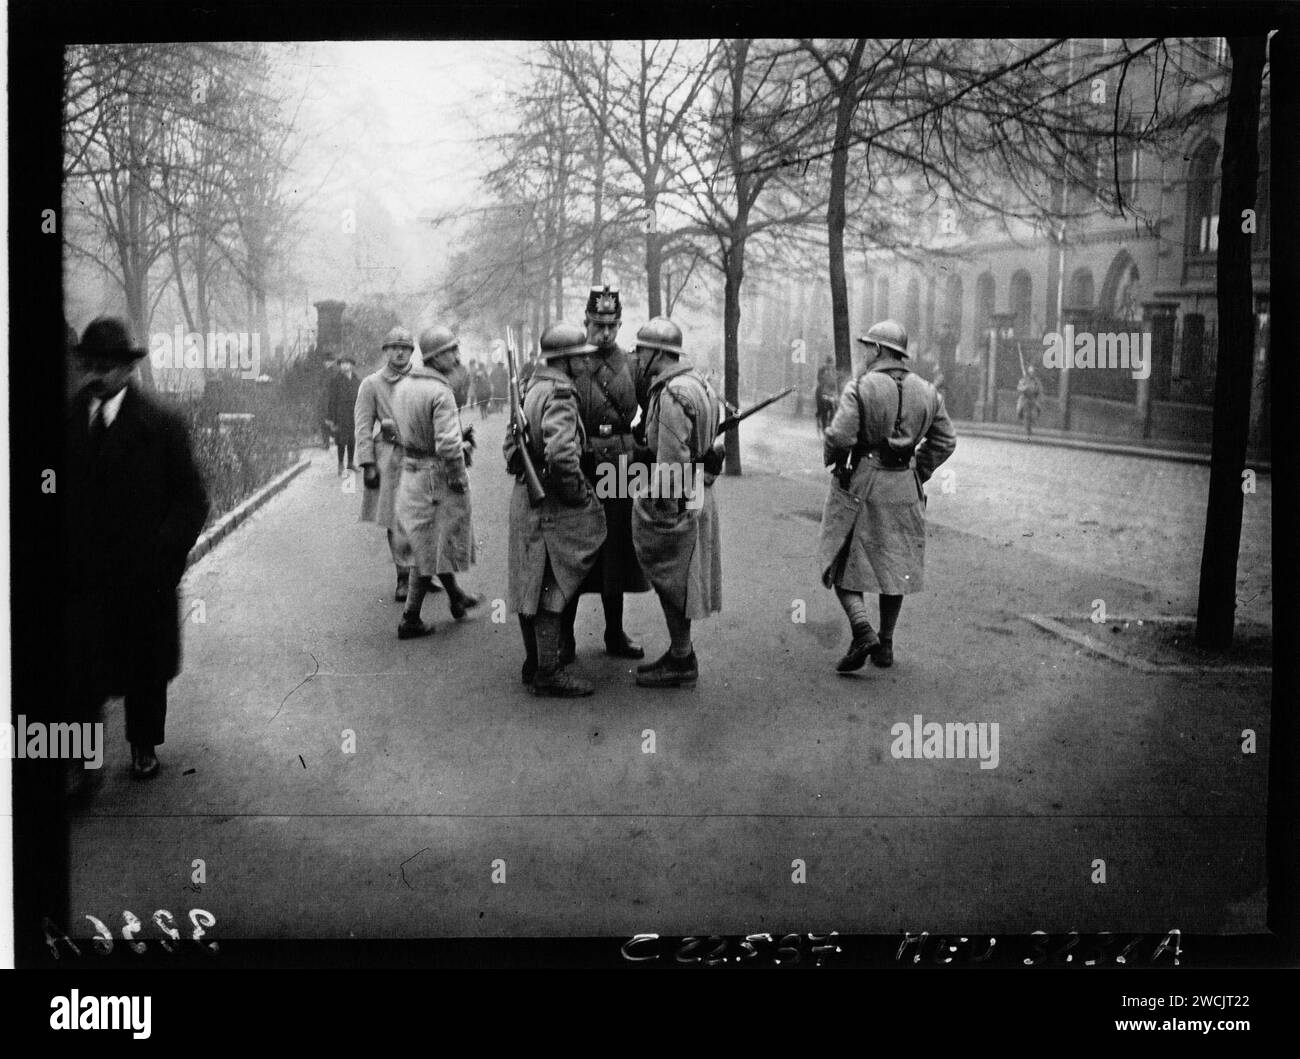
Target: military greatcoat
(568,528)
(607,401)
(873,533)
(374,445)
(436,520)
(678,540)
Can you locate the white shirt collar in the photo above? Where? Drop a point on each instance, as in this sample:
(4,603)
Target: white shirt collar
(112,406)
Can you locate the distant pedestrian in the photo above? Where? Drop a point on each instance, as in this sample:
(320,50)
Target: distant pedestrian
(136,505)
(342,405)
(482,391)
(827,391)
(329,369)
(499,381)
(1030,390)
(890,432)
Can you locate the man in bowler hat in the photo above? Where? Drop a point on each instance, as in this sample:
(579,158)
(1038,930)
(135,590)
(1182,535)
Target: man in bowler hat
(135,504)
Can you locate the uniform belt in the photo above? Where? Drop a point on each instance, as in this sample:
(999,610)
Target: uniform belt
(418,454)
(885,458)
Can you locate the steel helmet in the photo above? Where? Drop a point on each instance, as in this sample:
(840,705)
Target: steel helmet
(565,340)
(437,339)
(661,334)
(888,333)
(399,336)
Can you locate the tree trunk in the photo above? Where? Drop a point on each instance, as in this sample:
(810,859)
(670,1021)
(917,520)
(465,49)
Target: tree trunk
(734,260)
(1218,589)
(835,214)
(653,270)
(597,225)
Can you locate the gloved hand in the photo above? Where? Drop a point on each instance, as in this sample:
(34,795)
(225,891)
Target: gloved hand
(370,475)
(467,452)
(457,478)
(388,431)
(715,459)
(467,435)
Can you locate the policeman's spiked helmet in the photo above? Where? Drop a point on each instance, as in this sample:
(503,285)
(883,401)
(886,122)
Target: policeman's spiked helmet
(564,340)
(604,306)
(889,334)
(437,339)
(661,334)
(399,336)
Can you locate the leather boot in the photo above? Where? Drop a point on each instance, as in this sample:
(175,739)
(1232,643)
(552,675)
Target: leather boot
(670,672)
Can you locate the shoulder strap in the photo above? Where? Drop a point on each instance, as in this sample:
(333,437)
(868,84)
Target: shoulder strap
(610,403)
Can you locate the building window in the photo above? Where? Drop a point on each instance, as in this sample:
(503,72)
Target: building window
(1203,200)
(1021,298)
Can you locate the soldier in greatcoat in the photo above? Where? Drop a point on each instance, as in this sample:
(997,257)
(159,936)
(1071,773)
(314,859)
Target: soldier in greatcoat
(379,451)
(890,432)
(675,529)
(554,546)
(433,499)
(608,402)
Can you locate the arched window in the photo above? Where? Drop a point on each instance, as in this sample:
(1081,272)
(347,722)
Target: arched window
(952,303)
(1121,297)
(1021,300)
(912,312)
(1082,291)
(985,293)
(1203,200)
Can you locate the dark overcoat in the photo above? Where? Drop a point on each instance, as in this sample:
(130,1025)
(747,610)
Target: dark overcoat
(133,510)
(607,398)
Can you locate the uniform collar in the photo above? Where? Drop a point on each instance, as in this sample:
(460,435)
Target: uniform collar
(548,371)
(680,368)
(889,364)
(391,374)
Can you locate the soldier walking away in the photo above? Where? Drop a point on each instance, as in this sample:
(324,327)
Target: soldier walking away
(342,405)
(608,403)
(677,538)
(1030,390)
(136,505)
(433,500)
(828,389)
(553,546)
(379,450)
(890,432)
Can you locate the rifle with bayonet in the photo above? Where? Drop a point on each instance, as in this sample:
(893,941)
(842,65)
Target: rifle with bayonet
(716,456)
(521,461)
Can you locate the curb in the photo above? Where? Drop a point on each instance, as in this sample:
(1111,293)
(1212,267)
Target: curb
(230,521)
(970,428)
(1085,641)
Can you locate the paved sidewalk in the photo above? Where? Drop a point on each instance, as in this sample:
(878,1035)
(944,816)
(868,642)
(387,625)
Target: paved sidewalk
(772,759)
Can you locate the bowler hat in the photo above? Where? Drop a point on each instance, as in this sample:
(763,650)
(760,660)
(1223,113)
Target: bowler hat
(108,338)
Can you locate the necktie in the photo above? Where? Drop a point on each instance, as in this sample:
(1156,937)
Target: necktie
(97,428)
